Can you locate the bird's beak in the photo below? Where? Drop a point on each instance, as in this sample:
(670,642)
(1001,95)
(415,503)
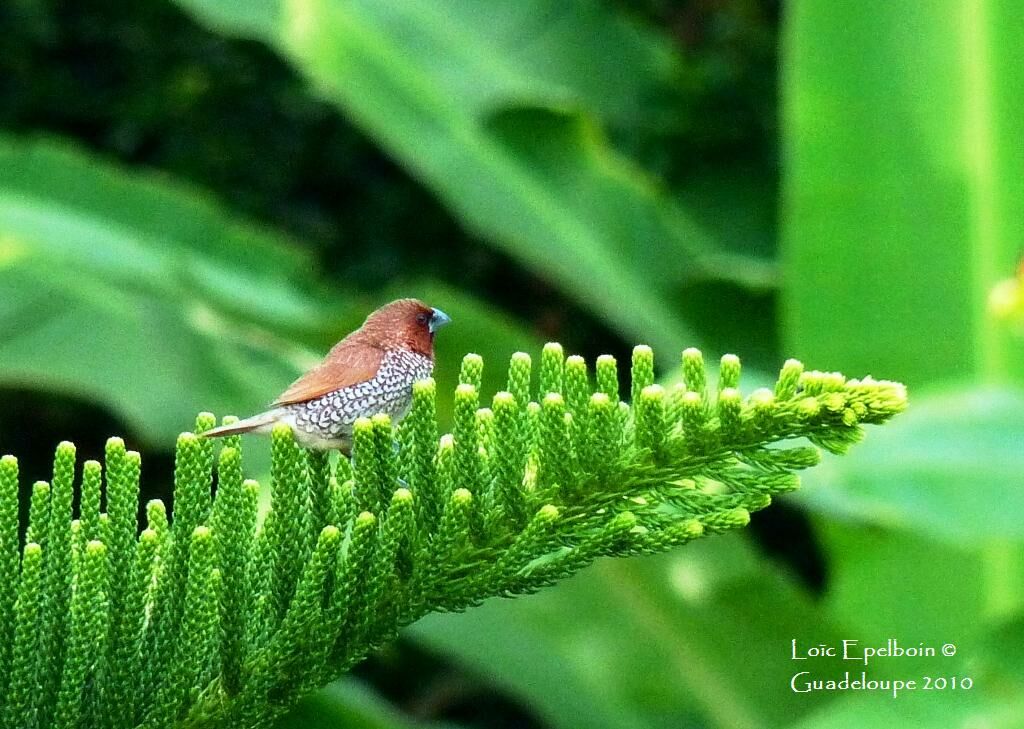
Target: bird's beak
(438,319)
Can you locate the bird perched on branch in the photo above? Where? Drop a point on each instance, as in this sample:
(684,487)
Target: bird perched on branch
(370,371)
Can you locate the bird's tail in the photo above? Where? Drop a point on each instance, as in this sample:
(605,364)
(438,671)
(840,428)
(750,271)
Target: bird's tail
(257,423)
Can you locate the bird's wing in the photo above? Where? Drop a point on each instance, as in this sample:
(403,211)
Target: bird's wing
(346,365)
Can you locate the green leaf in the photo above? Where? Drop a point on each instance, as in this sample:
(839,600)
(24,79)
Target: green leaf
(952,469)
(131,292)
(885,584)
(145,297)
(902,209)
(922,709)
(903,203)
(502,111)
(1002,658)
(347,703)
(700,635)
(980,686)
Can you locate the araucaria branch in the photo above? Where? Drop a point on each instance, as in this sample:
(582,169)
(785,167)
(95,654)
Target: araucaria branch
(226,617)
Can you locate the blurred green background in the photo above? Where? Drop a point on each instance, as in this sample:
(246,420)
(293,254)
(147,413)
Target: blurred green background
(198,197)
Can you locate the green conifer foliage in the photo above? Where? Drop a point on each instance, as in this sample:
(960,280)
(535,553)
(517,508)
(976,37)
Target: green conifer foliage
(58,565)
(211,619)
(86,636)
(20,704)
(10,559)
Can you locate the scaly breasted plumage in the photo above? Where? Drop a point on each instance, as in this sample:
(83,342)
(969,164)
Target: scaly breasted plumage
(370,371)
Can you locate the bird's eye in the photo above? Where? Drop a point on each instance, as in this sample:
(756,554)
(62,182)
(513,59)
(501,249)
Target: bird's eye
(422,318)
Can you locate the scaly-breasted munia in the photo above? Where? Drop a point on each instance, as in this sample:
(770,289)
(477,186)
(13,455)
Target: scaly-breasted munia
(370,371)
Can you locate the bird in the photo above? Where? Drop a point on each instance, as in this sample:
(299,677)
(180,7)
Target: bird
(370,371)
